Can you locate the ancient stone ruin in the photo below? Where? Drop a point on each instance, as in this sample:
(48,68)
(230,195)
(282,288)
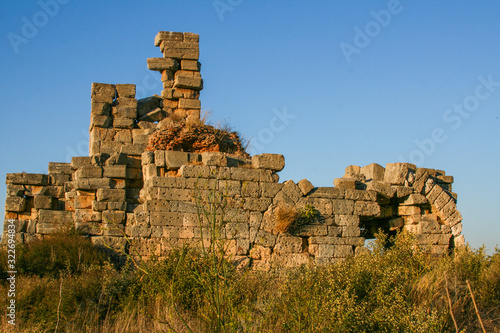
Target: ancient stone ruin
(148,195)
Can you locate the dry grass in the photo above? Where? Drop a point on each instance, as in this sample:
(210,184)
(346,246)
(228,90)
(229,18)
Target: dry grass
(285,218)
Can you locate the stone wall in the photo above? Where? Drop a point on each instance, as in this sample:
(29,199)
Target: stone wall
(153,197)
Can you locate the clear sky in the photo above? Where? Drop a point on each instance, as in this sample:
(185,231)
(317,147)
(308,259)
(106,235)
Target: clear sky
(326,83)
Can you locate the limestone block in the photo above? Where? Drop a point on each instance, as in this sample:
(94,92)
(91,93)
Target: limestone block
(245,174)
(403,191)
(429,185)
(250,189)
(180,50)
(396,173)
(88,172)
(115,171)
(351,231)
(373,171)
(442,200)
(15,190)
(311,230)
(125,90)
(381,188)
(149,171)
(161,64)
(103,90)
(216,159)
(347,220)
(176,159)
(421,176)
(27,179)
(456,230)
(414,199)
(455,218)
(120,111)
(360,195)
(55,217)
(190,65)
(327,193)
(366,208)
(80,161)
(160,158)
(59,179)
(257,204)
(275,162)
(100,109)
(292,191)
(136,231)
(148,157)
(185,103)
(168,36)
(42,202)
(98,206)
(442,179)
(396,223)
(117,205)
(191,37)
(265,239)
(288,244)
(100,121)
(305,186)
(166,219)
(352,170)
(113,217)
(409,210)
(92,183)
(345,183)
(192,171)
(87,215)
(15,204)
(269,190)
(343,207)
(110,229)
(459,241)
(433,194)
(123,123)
(141,136)
(107,195)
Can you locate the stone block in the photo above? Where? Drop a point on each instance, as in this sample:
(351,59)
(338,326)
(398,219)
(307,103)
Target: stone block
(115,171)
(118,205)
(442,200)
(160,158)
(120,111)
(409,210)
(148,157)
(107,195)
(176,159)
(98,206)
(381,188)
(113,216)
(345,183)
(269,190)
(414,199)
(100,121)
(305,186)
(125,90)
(214,158)
(288,244)
(168,36)
(81,161)
(103,90)
(88,172)
(455,218)
(180,50)
(190,65)
(403,191)
(123,123)
(15,204)
(347,220)
(396,173)
(87,215)
(360,195)
(166,219)
(161,64)
(185,103)
(15,190)
(351,231)
(373,171)
(58,168)
(250,189)
(275,162)
(366,208)
(146,105)
(291,190)
(343,207)
(55,217)
(91,183)
(42,202)
(24,178)
(100,109)
(352,170)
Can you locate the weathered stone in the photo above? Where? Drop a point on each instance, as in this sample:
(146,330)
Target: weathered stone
(216,159)
(110,195)
(396,173)
(345,183)
(81,161)
(185,103)
(180,50)
(343,207)
(245,174)
(115,171)
(123,123)
(442,200)
(113,217)
(27,178)
(366,208)
(396,223)
(414,199)
(373,171)
(190,65)
(58,168)
(42,202)
(146,105)
(403,191)
(55,217)
(161,64)
(88,172)
(305,186)
(125,90)
(409,210)
(15,204)
(382,188)
(352,170)
(176,159)
(275,162)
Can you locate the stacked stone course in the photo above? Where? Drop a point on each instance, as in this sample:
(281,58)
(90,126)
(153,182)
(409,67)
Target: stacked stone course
(121,189)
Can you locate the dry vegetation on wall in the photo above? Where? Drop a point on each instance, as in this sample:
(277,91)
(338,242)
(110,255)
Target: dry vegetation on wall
(393,289)
(196,137)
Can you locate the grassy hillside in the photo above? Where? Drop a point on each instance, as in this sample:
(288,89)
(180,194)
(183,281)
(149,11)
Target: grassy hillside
(66,283)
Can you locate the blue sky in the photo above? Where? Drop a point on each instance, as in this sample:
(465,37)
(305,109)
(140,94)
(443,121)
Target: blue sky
(354,82)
